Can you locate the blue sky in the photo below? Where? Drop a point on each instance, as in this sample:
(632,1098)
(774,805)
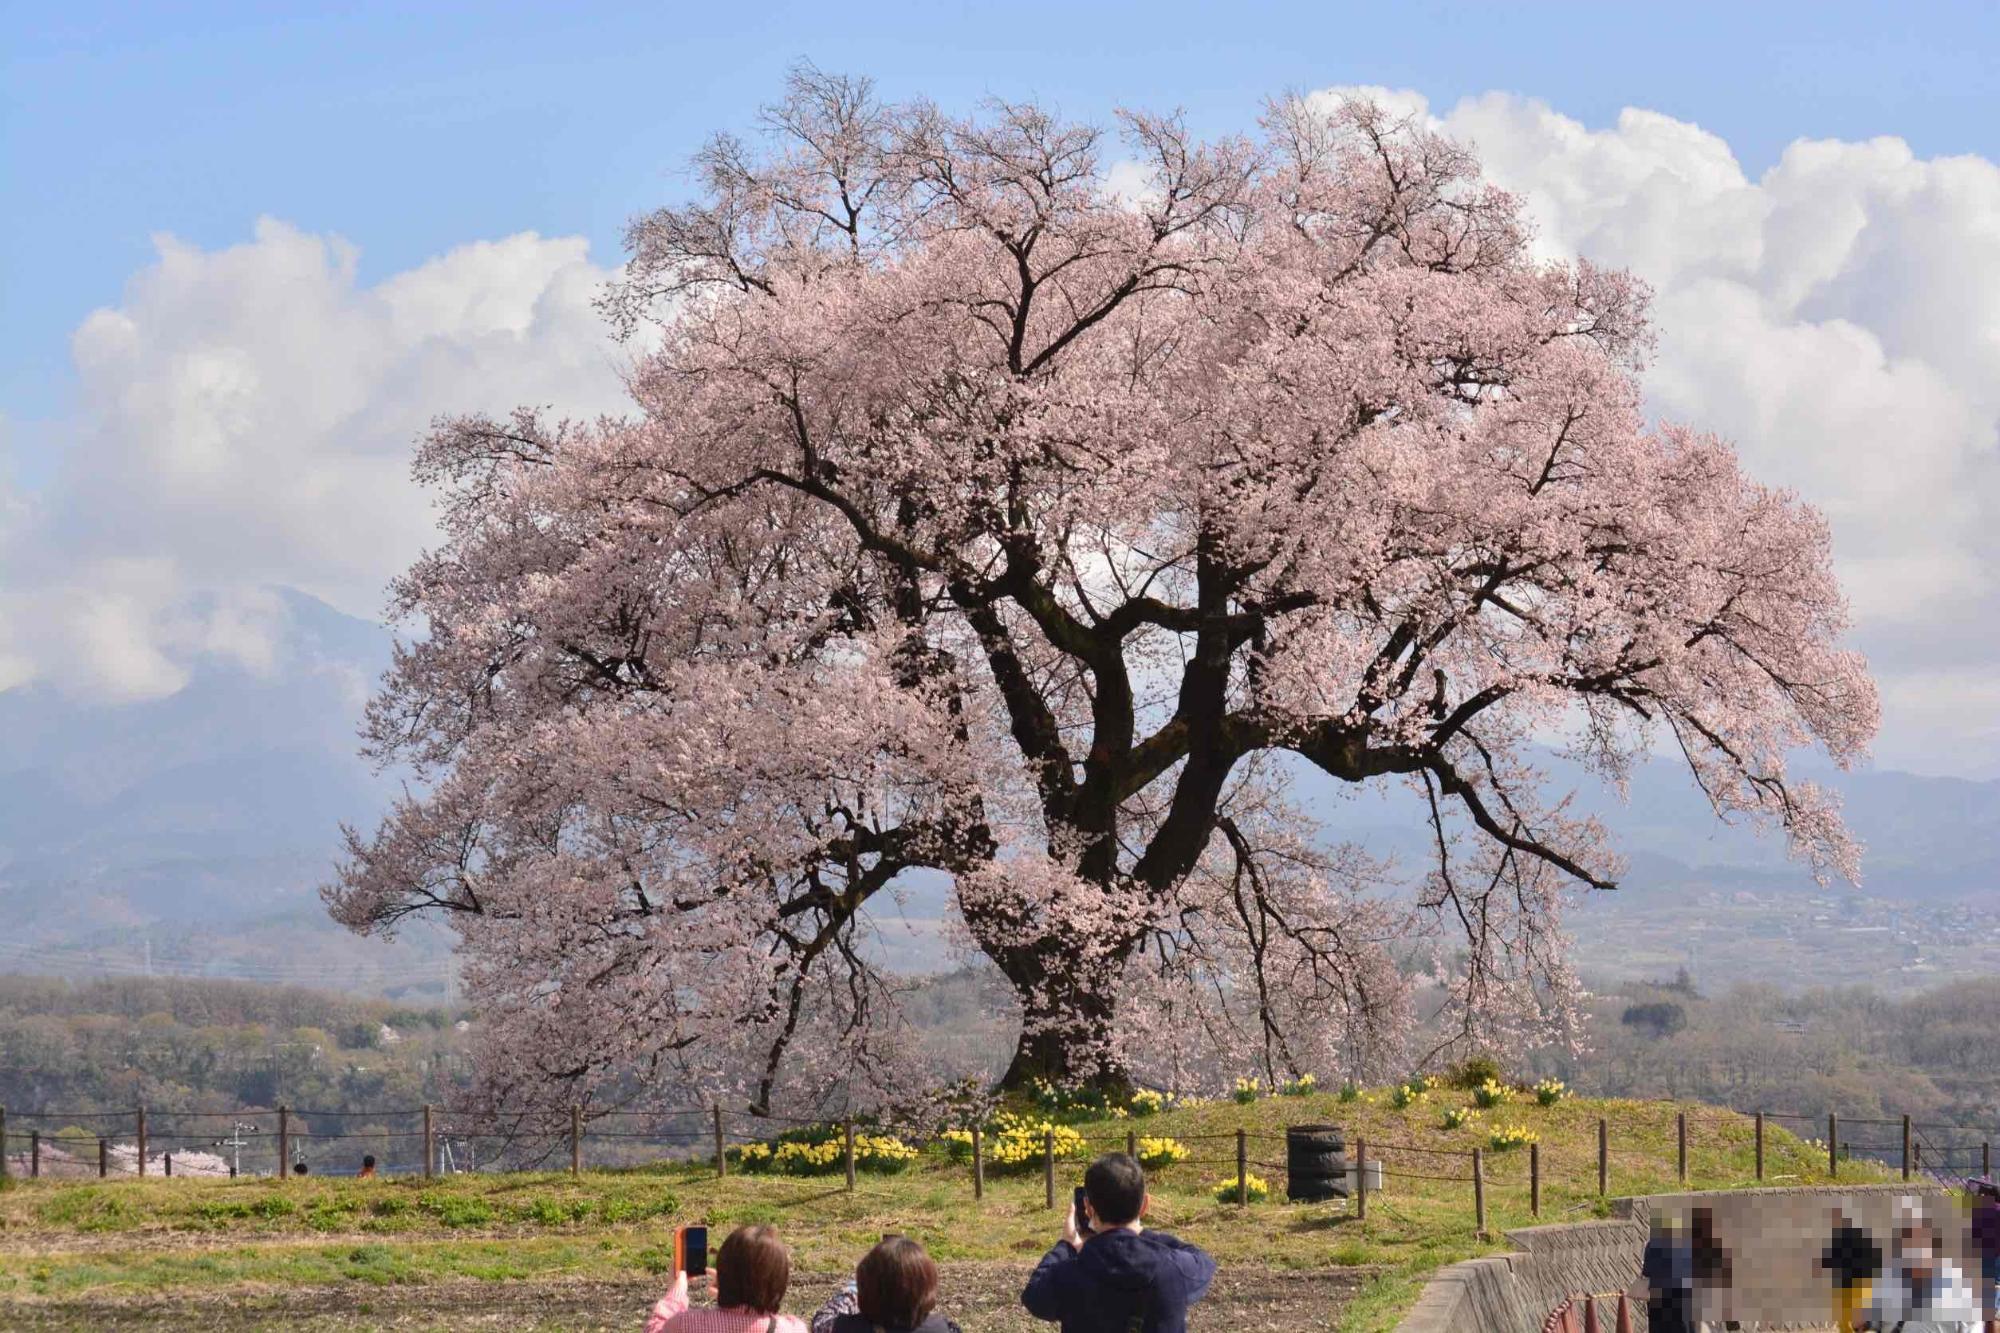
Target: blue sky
(182,428)
(409,129)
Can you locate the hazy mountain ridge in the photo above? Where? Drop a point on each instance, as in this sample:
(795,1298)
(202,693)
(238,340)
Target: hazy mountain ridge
(203,821)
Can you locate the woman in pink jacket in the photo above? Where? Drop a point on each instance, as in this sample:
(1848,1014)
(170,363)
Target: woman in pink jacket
(752,1271)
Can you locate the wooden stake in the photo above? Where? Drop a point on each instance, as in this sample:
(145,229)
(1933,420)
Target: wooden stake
(1360,1179)
(1832,1144)
(103,1159)
(1049,1166)
(1534,1180)
(978,1164)
(1479,1191)
(284,1142)
(1242,1166)
(1681,1145)
(1603,1157)
(1132,1144)
(1760,1145)
(847,1128)
(142,1140)
(721,1149)
(35,1153)
(1906,1148)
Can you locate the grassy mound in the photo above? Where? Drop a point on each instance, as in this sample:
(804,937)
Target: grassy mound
(62,1240)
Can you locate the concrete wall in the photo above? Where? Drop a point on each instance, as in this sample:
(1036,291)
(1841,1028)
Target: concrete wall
(1774,1237)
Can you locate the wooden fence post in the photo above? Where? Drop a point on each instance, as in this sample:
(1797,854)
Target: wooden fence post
(3,1145)
(142,1141)
(35,1153)
(1832,1144)
(1760,1145)
(1479,1191)
(575,1139)
(847,1128)
(1049,1166)
(1534,1180)
(1906,1147)
(167,1161)
(1603,1157)
(721,1148)
(978,1164)
(103,1159)
(284,1142)
(1360,1179)
(1986,1158)
(430,1143)
(1242,1166)
(1681,1145)
(1132,1144)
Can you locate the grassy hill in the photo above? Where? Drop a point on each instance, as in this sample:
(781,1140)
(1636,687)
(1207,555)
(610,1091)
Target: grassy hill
(71,1245)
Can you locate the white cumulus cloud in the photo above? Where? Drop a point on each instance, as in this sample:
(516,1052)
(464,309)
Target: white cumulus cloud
(246,420)
(1839,318)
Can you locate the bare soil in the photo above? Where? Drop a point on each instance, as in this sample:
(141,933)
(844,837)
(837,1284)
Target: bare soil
(982,1298)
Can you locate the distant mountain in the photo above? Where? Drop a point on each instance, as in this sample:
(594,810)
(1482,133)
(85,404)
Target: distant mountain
(197,826)
(200,825)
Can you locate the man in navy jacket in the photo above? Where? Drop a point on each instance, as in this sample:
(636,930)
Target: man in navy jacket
(1110,1275)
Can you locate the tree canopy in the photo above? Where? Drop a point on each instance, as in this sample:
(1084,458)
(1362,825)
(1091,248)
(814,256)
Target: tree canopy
(984,515)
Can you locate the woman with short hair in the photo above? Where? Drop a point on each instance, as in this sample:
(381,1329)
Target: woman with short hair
(894,1291)
(752,1270)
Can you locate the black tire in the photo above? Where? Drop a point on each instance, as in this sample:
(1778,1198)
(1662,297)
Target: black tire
(1316,1162)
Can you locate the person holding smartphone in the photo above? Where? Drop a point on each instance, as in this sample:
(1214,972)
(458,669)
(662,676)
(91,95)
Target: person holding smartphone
(1108,1274)
(752,1271)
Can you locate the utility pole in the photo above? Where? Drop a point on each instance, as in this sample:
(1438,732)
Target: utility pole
(235,1143)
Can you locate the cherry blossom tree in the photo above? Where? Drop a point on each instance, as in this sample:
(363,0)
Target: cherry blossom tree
(976,520)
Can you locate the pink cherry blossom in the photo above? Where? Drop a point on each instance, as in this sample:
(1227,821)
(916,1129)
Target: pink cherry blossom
(973,521)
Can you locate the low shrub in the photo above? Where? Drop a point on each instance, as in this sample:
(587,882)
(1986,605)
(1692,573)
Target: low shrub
(1490,1094)
(1146,1102)
(1550,1091)
(1248,1090)
(1161,1151)
(1302,1086)
(1457,1117)
(1470,1073)
(1510,1137)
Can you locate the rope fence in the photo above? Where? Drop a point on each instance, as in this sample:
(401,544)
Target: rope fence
(433,1140)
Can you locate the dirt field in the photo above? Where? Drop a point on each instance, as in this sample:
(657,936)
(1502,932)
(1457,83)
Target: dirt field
(983,1298)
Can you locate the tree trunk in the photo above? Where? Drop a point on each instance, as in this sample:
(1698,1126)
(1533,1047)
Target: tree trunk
(1070,1052)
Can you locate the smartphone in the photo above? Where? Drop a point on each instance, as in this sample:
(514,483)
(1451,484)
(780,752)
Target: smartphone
(691,1250)
(1082,1218)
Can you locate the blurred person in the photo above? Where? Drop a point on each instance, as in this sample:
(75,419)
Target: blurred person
(1714,1273)
(1108,1274)
(752,1271)
(1985,1235)
(894,1290)
(1666,1277)
(1923,1291)
(1853,1260)
(367,1171)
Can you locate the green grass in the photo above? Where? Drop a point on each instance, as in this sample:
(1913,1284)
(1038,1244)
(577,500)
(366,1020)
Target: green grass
(156,1235)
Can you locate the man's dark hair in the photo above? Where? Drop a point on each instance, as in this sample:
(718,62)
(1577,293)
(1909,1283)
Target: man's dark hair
(896,1284)
(368,1160)
(298,1168)
(1115,1184)
(752,1271)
